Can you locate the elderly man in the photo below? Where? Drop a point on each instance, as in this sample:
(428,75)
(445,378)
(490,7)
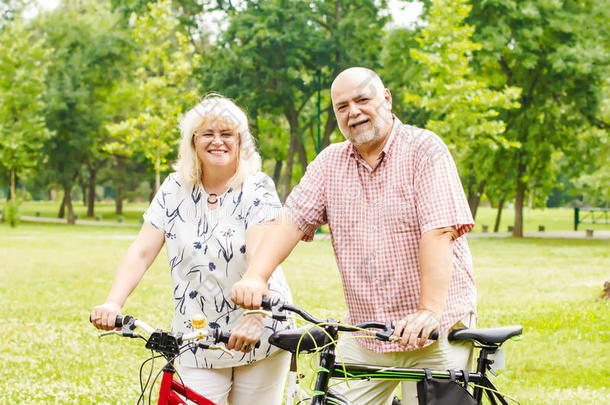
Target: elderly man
(397,214)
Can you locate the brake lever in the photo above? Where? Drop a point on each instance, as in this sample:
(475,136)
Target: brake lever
(109,332)
(227,351)
(205,345)
(120,333)
(258,312)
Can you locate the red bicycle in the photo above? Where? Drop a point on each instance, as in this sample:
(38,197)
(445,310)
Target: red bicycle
(169,345)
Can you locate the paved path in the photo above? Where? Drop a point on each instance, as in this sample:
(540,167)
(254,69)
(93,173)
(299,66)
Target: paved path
(77,222)
(605,235)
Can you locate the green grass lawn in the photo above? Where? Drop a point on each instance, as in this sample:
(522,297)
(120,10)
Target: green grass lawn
(104,211)
(553,219)
(53,274)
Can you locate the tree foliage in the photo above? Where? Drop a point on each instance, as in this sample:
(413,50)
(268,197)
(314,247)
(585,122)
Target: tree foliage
(87,61)
(551,50)
(161,89)
(23,67)
(270,54)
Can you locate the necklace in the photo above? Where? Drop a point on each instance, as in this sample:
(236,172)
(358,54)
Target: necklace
(212,198)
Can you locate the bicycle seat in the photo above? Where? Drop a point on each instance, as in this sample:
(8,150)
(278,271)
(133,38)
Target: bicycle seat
(310,338)
(486,336)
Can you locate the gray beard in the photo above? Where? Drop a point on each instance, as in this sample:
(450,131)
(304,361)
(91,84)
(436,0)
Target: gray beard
(365,138)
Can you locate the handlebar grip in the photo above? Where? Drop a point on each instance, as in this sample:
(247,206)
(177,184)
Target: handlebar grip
(220,336)
(118,322)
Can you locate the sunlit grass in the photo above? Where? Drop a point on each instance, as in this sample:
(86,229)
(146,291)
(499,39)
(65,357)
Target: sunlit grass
(553,219)
(53,274)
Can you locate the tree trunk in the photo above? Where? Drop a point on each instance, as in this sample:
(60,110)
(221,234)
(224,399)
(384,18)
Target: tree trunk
(62,206)
(119,200)
(12,191)
(474,205)
(302,154)
(83,187)
(518,229)
(289,162)
(331,124)
(277,171)
(498,215)
(91,192)
(152,190)
(67,192)
(470,192)
(67,203)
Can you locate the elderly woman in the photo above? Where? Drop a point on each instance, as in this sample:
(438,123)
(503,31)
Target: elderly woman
(211,213)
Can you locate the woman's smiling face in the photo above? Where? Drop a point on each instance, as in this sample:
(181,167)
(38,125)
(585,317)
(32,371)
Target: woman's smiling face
(217,145)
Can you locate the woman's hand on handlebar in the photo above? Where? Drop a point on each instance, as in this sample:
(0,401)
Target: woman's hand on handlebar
(104,316)
(245,335)
(249,291)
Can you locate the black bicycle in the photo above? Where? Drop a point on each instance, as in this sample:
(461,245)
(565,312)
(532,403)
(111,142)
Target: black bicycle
(323,335)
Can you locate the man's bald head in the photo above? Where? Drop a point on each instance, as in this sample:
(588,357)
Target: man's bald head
(358,77)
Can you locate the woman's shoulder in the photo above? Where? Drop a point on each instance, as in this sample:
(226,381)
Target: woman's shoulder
(173,182)
(258,180)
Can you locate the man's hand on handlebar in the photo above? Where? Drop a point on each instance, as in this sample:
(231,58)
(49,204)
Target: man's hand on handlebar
(249,291)
(104,316)
(420,323)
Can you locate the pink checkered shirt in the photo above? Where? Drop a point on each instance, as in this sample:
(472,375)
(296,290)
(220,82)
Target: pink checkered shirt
(376,219)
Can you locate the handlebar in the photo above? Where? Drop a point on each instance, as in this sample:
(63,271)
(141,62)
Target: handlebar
(278,310)
(168,342)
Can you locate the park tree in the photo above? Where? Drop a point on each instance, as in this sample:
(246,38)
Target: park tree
(276,54)
(462,106)
(590,152)
(554,52)
(24,59)
(87,61)
(189,13)
(161,90)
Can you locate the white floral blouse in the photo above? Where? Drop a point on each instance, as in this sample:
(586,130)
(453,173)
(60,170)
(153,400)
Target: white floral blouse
(206,251)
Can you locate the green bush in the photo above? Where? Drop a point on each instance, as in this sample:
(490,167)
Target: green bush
(120,219)
(98,217)
(11,212)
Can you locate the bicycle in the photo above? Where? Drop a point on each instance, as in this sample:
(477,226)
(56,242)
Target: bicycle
(170,345)
(323,336)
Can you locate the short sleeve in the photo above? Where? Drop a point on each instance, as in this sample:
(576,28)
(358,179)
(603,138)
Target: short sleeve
(263,202)
(155,215)
(306,204)
(440,198)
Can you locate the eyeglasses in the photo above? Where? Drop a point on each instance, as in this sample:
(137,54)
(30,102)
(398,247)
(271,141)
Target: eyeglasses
(209,136)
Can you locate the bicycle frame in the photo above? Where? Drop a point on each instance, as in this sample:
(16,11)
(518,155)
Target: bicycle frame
(328,369)
(487,340)
(170,388)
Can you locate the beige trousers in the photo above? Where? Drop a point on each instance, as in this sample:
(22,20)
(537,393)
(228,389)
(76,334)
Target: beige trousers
(441,355)
(261,382)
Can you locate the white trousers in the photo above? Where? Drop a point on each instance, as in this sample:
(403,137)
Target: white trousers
(261,382)
(439,356)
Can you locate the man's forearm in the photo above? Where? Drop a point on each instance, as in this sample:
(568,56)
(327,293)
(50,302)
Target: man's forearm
(280,237)
(436,263)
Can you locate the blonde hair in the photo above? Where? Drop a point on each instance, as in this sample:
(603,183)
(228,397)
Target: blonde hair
(216,107)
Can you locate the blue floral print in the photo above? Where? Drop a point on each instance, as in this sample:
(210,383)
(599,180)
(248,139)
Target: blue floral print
(206,252)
